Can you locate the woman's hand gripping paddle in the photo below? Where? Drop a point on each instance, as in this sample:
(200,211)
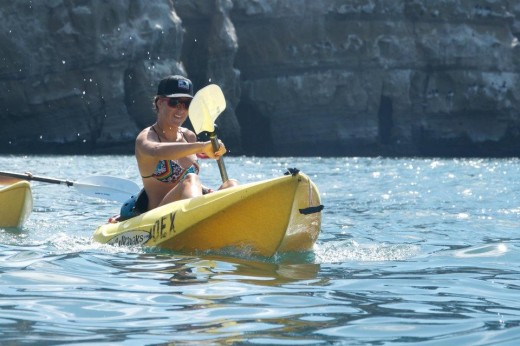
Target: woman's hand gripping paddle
(206,106)
(99,186)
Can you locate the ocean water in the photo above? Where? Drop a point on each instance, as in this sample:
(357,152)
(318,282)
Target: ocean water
(411,252)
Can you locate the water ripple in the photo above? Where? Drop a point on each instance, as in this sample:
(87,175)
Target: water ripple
(412,251)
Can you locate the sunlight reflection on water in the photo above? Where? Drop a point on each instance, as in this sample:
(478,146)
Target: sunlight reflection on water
(411,250)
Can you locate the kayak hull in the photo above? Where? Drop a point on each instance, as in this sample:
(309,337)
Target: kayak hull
(16,203)
(263,218)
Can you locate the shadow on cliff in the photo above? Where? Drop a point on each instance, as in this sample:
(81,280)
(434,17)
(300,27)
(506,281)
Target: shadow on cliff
(256,130)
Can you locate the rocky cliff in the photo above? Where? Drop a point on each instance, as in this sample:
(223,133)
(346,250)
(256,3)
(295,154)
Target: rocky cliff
(304,77)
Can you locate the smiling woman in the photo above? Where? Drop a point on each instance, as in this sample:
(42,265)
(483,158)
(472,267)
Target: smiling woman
(166,152)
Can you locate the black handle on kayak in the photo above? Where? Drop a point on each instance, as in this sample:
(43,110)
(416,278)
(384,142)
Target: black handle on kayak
(311,210)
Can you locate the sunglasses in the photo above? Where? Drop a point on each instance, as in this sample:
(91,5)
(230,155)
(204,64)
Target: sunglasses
(175,102)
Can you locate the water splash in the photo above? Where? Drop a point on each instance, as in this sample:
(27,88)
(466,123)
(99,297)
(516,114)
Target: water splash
(350,250)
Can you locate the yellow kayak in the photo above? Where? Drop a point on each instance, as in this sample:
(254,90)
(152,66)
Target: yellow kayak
(16,203)
(273,216)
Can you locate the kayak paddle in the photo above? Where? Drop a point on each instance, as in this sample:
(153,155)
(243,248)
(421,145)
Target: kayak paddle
(206,106)
(99,186)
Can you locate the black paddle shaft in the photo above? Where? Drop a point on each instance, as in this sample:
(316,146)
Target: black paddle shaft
(220,161)
(36,178)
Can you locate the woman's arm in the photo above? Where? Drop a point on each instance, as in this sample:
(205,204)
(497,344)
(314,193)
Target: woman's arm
(147,144)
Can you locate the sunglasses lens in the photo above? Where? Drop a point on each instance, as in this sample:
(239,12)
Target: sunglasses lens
(173,102)
(176,102)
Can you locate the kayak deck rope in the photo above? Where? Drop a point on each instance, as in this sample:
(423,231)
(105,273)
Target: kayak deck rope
(311,209)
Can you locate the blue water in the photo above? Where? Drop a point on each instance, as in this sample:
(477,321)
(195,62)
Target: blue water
(411,251)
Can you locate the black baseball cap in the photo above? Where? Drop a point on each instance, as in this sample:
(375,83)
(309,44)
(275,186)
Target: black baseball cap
(175,86)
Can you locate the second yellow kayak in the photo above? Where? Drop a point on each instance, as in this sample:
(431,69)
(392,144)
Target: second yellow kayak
(16,203)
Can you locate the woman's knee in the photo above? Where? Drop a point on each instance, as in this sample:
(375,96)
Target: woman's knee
(232,182)
(229,183)
(191,178)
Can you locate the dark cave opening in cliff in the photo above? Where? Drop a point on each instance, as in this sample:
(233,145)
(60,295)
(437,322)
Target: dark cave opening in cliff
(255,130)
(386,121)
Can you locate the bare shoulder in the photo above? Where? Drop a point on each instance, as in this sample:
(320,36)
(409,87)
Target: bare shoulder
(189,135)
(147,134)
(145,141)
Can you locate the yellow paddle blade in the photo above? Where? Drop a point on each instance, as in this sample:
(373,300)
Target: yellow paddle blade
(206,106)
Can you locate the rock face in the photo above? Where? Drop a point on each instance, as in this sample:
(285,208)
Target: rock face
(379,77)
(74,77)
(329,77)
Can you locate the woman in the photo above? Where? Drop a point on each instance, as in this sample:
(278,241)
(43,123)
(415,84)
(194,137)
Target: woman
(166,152)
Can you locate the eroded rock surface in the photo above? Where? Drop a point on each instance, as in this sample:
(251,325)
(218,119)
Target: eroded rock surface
(325,78)
(380,77)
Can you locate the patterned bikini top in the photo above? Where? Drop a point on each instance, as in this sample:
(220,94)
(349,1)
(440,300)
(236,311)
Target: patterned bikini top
(170,171)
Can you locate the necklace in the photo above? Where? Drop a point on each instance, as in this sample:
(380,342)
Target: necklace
(164,134)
